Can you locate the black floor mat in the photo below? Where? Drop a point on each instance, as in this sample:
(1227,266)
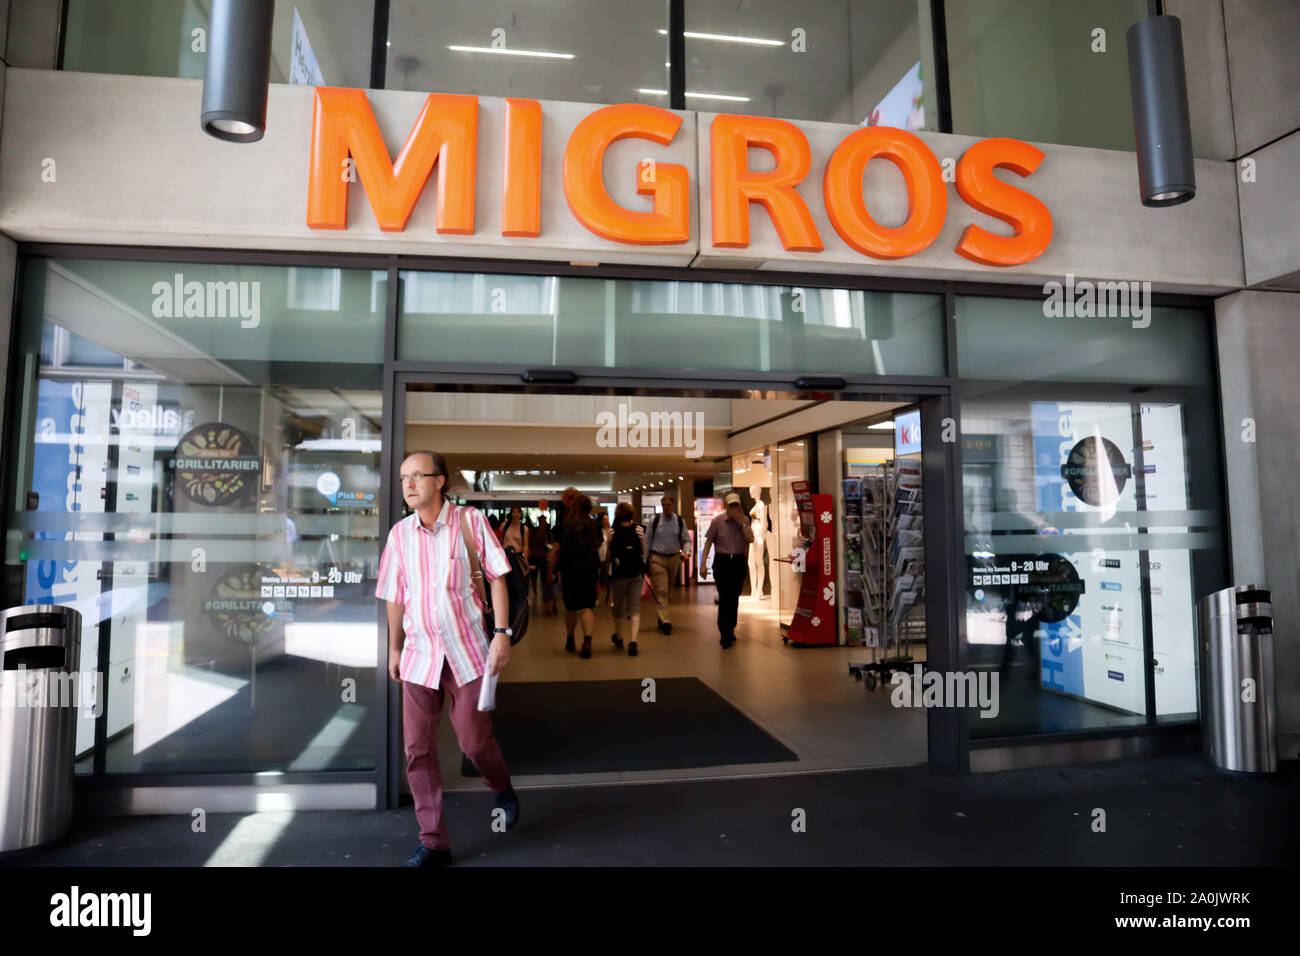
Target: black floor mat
(605,726)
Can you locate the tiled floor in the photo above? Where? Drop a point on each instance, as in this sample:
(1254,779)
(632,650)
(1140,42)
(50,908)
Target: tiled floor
(804,697)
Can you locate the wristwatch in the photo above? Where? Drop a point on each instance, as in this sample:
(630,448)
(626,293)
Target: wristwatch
(506,631)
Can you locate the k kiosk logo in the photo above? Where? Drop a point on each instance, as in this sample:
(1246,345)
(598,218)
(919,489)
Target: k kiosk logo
(445,136)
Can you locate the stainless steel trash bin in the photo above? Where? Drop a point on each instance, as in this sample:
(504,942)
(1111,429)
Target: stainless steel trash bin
(1238,711)
(39,697)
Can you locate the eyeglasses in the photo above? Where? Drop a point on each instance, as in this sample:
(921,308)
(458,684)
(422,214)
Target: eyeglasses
(412,479)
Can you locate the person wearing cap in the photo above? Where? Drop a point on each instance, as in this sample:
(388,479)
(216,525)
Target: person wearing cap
(730,536)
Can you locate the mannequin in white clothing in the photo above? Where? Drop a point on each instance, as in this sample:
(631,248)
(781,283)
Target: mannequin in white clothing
(758,523)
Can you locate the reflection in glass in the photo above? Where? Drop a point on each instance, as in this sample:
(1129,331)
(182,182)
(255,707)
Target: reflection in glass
(652,323)
(1041,71)
(861,62)
(314,42)
(1081,553)
(200,479)
(583,51)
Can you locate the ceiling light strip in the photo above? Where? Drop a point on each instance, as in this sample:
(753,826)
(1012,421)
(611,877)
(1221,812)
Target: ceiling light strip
(503,50)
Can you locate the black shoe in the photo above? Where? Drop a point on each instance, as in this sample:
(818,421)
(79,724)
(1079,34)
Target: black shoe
(618,641)
(586,648)
(423,856)
(727,641)
(668,628)
(508,801)
(663,628)
(568,644)
(631,649)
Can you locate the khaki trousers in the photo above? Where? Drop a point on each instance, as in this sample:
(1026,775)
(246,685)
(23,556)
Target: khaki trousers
(663,572)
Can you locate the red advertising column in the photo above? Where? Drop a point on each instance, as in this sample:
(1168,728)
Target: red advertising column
(815,620)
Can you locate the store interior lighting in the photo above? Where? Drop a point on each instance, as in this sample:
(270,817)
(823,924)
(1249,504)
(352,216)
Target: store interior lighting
(502,50)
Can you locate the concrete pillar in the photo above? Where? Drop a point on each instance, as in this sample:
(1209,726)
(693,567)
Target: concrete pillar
(1259,351)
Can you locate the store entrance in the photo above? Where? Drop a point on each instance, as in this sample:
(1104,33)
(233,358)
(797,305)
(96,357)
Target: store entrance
(831,587)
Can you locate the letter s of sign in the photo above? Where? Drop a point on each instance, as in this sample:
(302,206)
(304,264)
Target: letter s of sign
(983,191)
(584,186)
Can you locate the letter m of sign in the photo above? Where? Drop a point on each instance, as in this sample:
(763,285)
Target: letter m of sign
(445,134)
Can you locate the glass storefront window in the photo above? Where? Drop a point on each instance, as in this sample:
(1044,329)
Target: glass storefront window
(577,321)
(316,42)
(584,51)
(1015,340)
(1092,514)
(863,62)
(197,472)
(1040,72)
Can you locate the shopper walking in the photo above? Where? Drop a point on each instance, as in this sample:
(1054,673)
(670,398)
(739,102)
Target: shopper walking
(665,545)
(626,544)
(605,589)
(437,642)
(515,531)
(730,535)
(578,561)
(539,573)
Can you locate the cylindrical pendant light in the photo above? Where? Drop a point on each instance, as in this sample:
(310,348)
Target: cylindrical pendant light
(1161,120)
(238,75)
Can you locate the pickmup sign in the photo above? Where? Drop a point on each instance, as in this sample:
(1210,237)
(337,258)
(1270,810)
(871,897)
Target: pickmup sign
(445,137)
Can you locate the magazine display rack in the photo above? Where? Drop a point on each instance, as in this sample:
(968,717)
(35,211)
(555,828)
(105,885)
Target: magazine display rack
(885,570)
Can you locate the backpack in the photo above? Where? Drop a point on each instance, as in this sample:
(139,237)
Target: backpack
(625,553)
(516,584)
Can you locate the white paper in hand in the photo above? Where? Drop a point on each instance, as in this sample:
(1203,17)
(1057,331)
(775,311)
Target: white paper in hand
(487,692)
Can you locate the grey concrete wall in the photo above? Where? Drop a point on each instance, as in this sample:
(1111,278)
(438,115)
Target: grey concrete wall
(1205,56)
(1259,341)
(32,39)
(133,166)
(1270,212)
(1263,37)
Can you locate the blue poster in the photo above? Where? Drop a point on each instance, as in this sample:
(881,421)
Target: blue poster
(1062,643)
(60,437)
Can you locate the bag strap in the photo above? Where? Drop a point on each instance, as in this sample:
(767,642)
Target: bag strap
(475,571)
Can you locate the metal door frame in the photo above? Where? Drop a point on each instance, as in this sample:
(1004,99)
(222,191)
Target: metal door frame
(946,729)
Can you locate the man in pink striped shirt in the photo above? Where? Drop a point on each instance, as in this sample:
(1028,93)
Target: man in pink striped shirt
(437,642)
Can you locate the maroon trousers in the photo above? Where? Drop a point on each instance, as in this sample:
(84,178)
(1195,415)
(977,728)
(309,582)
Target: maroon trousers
(421,711)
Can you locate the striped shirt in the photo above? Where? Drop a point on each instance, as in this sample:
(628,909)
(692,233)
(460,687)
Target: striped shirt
(427,571)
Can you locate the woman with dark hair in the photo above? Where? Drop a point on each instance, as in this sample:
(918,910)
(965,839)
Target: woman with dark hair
(540,543)
(515,531)
(626,547)
(578,559)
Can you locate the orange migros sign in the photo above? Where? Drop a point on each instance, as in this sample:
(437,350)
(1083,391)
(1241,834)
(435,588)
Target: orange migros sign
(444,140)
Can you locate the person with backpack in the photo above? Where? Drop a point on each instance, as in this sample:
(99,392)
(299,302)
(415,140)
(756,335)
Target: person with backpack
(438,647)
(666,544)
(626,543)
(578,560)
